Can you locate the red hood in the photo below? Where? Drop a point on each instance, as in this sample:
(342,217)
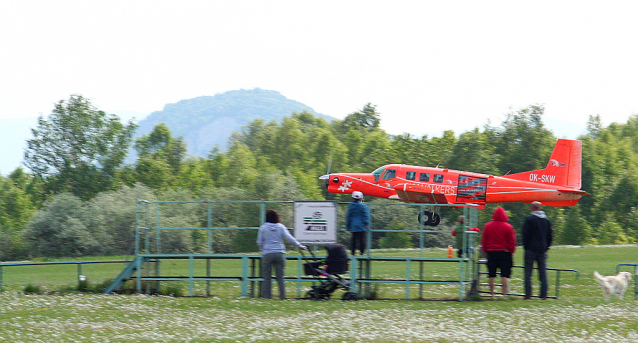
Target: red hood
(500,215)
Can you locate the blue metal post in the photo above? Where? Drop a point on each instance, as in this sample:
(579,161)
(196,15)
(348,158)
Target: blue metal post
(354,262)
(244,276)
(158,246)
(209,234)
(137,226)
(408,263)
(191,274)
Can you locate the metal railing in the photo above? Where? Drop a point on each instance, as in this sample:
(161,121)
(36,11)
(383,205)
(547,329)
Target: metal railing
(557,282)
(149,224)
(249,275)
(78,263)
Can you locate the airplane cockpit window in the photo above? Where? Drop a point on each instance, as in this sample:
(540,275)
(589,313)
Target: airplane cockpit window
(389,174)
(410,175)
(377,173)
(438,178)
(424,177)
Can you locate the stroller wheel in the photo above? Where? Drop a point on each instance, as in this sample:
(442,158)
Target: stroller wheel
(350,296)
(313,295)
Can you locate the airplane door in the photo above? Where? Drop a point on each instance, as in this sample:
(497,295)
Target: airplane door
(471,189)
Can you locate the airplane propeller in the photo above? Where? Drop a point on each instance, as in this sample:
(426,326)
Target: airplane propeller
(324,178)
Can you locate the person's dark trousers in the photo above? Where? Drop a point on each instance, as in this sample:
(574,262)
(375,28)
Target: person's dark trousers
(358,240)
(268,261)
(540,258)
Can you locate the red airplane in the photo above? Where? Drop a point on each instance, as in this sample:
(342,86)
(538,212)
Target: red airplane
(556,185)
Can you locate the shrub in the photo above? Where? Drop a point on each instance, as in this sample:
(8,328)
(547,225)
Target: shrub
(32,289)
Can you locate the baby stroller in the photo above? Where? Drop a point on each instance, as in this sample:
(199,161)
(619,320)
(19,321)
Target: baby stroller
(327,273)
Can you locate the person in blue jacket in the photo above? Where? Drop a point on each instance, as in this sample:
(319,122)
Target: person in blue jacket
(357,221)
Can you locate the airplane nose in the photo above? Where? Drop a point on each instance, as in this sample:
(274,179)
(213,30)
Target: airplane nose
(324,180)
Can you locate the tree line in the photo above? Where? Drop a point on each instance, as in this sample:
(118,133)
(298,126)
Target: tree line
(78,196)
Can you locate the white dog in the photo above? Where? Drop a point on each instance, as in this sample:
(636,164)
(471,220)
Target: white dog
(616,284)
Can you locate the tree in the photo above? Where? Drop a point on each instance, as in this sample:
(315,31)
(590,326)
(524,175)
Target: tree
(523,142)
(16,209)
(57,231)
(594,126)
(160,159)
(474,152)
(367,119)
(161,145)
(610,232)
(110,217)
(241,168)
(154,173)
(577,230)
(78,148)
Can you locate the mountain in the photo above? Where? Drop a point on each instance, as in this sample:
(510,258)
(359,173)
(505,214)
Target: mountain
(204,121)
(207,121)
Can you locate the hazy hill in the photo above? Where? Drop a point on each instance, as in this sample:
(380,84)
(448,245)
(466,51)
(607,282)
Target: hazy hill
(14,133)
(204,121)
(207,121)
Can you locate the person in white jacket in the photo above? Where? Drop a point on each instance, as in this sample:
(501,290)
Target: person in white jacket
(273,250)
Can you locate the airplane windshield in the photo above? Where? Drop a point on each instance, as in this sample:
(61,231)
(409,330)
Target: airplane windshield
(389,174)
(377,173)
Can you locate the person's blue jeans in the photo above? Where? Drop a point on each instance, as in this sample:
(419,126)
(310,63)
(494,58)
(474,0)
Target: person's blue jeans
(541,262)
(268,261)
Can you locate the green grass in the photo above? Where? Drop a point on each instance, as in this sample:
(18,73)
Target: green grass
(579,315)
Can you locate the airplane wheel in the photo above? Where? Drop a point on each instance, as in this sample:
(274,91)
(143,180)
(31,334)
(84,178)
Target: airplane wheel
(436,219)
(350,296)
(425,218)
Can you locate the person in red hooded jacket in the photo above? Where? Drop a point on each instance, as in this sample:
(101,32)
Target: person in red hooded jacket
(499,242)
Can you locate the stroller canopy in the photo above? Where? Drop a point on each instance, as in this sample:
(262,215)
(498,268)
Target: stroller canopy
(337,259)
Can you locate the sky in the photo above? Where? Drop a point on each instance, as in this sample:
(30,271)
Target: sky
(428,66)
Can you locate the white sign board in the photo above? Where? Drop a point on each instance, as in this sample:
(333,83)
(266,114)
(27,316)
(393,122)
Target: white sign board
(316,222)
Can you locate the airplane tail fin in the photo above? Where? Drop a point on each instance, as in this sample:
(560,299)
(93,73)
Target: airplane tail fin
(565,163)
(563,168)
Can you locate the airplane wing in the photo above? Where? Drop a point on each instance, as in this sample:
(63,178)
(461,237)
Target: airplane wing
(425,193)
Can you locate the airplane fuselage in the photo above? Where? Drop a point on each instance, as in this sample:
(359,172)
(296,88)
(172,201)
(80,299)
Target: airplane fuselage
(446,186)
(558,184)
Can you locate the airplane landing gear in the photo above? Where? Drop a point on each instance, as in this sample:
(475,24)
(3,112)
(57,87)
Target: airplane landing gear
(429,218)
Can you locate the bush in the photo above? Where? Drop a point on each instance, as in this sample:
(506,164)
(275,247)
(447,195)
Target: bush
(171,289)
(32,289)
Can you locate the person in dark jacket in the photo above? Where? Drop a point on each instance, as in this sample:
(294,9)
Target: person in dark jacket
(357,221)
(537,238)
(499,242)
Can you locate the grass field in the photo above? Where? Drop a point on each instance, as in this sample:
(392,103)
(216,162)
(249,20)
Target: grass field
(579,315)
